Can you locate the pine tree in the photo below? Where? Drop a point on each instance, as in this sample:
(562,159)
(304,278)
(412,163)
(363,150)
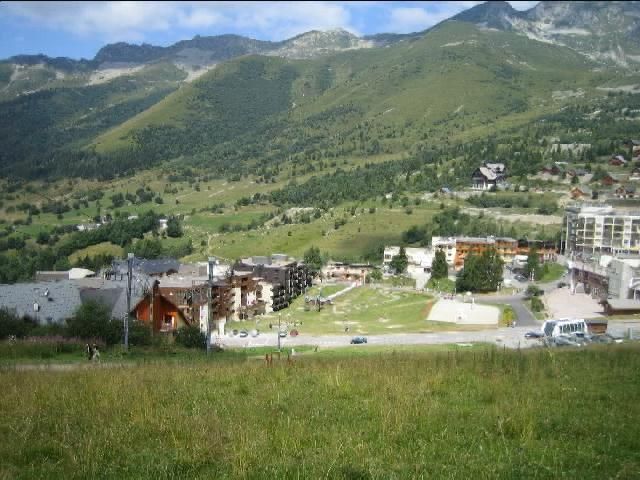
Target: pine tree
(400,262)
(439,267)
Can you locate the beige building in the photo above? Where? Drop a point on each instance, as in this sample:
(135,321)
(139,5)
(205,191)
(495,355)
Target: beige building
(601,230)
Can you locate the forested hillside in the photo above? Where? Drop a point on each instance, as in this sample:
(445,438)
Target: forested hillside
(252,114)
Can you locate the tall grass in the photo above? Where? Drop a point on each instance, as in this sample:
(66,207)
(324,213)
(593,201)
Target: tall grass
(476,414)
(44,347)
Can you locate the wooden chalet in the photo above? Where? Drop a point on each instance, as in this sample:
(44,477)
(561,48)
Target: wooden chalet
(488,176)
(625,191)
(580,192)
(617,160)
(609,179)
(160,312)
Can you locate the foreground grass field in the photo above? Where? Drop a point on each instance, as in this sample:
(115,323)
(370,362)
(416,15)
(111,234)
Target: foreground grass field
(480,414)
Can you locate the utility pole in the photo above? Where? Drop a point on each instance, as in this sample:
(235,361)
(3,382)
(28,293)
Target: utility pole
(209,302)
(126,317)
(279,320)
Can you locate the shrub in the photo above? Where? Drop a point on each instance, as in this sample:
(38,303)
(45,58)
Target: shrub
(533,291)
(12,325)
(92,321)
(191,337)
(536,304)
(139,334)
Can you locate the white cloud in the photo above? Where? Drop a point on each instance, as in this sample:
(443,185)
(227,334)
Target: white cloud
(413,19)
(523,5)
(130,20)
(126,20)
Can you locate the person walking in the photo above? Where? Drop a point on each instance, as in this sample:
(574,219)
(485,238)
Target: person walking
(89,351)
(96,353)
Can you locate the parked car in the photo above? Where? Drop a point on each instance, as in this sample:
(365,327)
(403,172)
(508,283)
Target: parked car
(282,334)
(520,278)
(562,284)
(243,334)
(358,340)
(533,334)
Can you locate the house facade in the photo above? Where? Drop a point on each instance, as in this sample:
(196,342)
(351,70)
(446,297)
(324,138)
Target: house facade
(348,272)
(488,176)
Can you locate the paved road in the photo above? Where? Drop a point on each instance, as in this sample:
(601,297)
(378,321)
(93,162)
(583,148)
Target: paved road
(510,337)
(524,315)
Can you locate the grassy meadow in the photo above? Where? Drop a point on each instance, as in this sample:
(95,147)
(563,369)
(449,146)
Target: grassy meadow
(368,310)
(480,413)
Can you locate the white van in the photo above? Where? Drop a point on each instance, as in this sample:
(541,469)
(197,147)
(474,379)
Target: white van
(565,326)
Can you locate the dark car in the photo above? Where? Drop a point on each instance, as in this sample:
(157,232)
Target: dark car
(358,340)
(520,278)
(562,284)
(533,334)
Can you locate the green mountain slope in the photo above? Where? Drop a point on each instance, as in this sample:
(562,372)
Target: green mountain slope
(457,82)
(448,84)
(47,129)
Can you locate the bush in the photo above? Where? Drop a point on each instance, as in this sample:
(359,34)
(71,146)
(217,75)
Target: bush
(139,334)
(536,304)
(12,325)
(92,321)
(191,337)
(533,291)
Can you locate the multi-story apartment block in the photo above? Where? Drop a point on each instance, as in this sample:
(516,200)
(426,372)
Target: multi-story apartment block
(597,230)
(288,278)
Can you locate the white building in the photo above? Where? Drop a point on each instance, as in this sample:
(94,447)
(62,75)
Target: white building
(447,245)
(601,230)
(419,262)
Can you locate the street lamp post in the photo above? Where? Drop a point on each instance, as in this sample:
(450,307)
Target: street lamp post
(209,302)
(279,322)
(130,257)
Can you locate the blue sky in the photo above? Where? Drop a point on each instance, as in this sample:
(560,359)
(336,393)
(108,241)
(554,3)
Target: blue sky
(79,29)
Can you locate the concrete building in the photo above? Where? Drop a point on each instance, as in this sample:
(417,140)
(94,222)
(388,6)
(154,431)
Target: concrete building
(506,247)
(447,245)
(606,278)
(601,230)
(348,272)
(419,263)
(287,277)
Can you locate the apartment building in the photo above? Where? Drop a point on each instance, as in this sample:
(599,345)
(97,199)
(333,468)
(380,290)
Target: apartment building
(287,277)
(597,230)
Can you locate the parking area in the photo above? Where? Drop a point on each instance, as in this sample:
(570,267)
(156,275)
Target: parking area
(562,304)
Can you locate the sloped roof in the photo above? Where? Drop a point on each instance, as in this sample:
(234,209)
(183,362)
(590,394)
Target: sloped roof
(488,173)
(624,304)
(496,167)
(149,266)
(60,303)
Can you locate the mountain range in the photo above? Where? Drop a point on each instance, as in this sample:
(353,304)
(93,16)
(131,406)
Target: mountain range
(237,103)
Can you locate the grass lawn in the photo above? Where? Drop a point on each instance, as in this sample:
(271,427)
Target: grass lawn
(104,248)
(326,289)
(368,310)
(481,412)
(554,272)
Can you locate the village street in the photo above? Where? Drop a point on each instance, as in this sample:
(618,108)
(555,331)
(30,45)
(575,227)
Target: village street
(510,337)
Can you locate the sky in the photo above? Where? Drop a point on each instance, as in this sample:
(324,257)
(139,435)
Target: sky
(80,29)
